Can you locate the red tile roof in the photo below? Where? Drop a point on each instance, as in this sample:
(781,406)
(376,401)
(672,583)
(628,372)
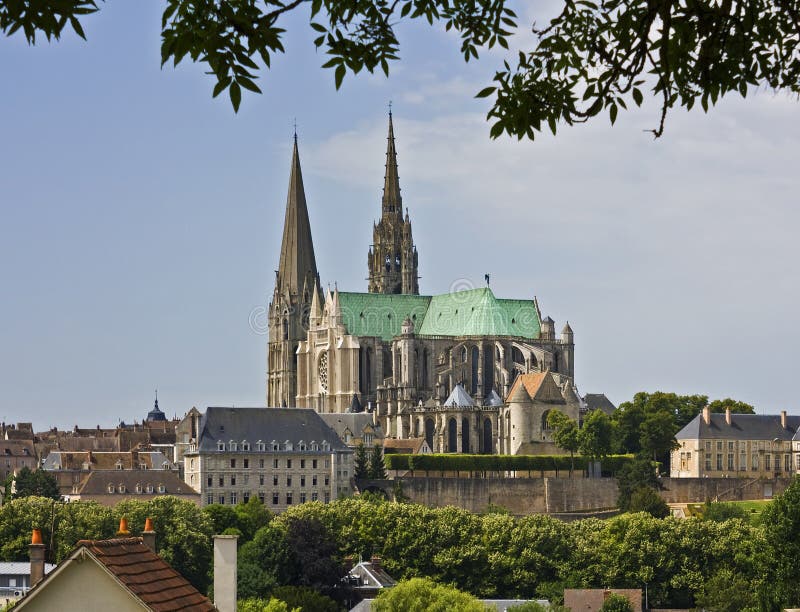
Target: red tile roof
(147,575)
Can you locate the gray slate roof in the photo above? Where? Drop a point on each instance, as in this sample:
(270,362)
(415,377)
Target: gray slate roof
(355,422)
(595,401)
(265,424)
(459,398)
(493,399)
(742,427)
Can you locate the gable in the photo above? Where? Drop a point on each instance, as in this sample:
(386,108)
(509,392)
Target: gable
(80,585)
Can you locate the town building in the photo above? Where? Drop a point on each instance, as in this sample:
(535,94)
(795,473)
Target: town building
(730,445)
(400,353)
(15,455)
(354,428)
(123,574)
(282,456)
(15,580)
(109,487)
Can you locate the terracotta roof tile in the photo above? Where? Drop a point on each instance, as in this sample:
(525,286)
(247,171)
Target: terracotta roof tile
(147,575)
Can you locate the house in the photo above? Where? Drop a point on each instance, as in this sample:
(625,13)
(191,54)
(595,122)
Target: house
(730,445)
(368,578)
(108,487)
(15,455)
(408,446)
(355,428)
(123,574)
(15,580)
(285,456)
(591,600)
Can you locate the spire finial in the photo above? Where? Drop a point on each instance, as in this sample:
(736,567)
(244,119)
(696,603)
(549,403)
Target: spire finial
(295,130)
(156,404)
(390,108)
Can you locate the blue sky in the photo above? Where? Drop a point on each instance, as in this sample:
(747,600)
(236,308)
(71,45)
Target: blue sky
(141,221)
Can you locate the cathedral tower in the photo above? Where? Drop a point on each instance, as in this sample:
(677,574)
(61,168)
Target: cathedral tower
(296,284)
(392,259)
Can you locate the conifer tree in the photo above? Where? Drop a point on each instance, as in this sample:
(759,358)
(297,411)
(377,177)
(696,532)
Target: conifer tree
(377,468)
(362,462)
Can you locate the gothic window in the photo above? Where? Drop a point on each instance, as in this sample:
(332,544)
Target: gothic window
(425,367)
(452,436)
(464,435)
(464,354)
(387,363)
(545,424)
(517,356)
(487,436)
(474,377)
(323,371)
(285,329)
(429,430)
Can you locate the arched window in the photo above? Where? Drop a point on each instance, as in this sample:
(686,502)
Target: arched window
(452,436)
(463,354)
(285,328)
(138,487)
(517,356)
(425,366)
(429,430)
(545,425)
(474,377)
(487,437)
(464,435)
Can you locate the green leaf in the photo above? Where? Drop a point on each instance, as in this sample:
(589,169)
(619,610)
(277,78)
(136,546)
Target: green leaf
(486,92)
(248,84)
(612,113)
(236,96)
(76,25)
(637,96)
(339,75)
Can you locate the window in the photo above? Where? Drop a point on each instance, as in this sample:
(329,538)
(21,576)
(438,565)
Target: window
(222,481)
(274,481)
(275,464)
(261,497)
(288,481)
(327,497)
(742,461)
(274,498)
(730,446)
(327,480)
(787,463)
(798,461)
(119,465)
(232,445)
(234,498)
(708,463)
(777,462)
(245,445)
(708,446)
(221,499)
(138,487)
(754,462)
(767,462)
(288,445)
(719,445)
(261,464)
(260,446)
(122,488)
(210,481)
(314,446)
(261,479)
(275,446)
(289,498)
(314,464)
(246,496)
(367,439)
(111,488)
(730,461)
(233,463)
(161,488)
(302,464)
(303,497)
(314,478)
(246,463)
(149,488)
(719,462)
(301,445)
(314,496)
(325,446)
(302,481)
(233,480)
(220,446)
(210,499)
(289,464)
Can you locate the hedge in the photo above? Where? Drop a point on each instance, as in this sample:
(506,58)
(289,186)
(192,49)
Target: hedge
(497,463)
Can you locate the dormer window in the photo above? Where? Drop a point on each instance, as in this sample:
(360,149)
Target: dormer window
(111,488)
(165,465)
(220,446)
(288,445)
(119,465)
(325,445)
(314,446)
(161,488)
(245,446)
(232,446)
(260,446)
(121,488)
(301,446)
(149,488)
(138,487)
(275,446)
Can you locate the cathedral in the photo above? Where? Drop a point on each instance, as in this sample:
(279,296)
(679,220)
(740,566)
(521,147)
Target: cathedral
(466,370)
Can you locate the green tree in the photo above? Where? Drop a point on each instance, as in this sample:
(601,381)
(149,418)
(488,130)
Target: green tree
(222,517)
(616,603)
(646,499)
(781,521)
(726,591)
(657,435)
(566,434)
(590,58)
(38,483)
(314,552)
(251,516)
(263,605)
(733,405)
(377,468)
(633,476)
(270,554)
(362,462)
(595,437)
(304,598)
(423,595)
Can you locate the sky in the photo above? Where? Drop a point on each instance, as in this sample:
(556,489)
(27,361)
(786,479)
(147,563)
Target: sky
(140,221)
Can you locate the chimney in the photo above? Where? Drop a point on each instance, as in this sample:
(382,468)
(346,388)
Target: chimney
(36,549)
(348,563)
(376,562)
(783,419)
(728,416)
(707,415)
(149,534)
(225,572)
(123,528)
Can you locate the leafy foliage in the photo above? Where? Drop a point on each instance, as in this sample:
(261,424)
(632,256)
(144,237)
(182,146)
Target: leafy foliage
(377,467)
(616,603)
(633,476)
(486,464)
(591,58)
(423,595)
(724,511)
(39,483)
(566,434)
(596,436)
(645,499)
(304,598)
(361,462)
(263,605)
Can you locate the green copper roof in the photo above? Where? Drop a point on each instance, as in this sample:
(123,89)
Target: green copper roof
(379,314)
(476,312)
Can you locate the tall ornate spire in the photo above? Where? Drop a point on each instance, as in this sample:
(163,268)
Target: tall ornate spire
(392,259)
(392,201)
(298,267)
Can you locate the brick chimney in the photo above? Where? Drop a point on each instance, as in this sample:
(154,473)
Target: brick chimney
(36,549)
(225,575)
(376,562)
(707,415)
(149,534)
(728,416)
(783,419)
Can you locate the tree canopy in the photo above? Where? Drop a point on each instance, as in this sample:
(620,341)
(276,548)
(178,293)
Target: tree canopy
(591,58)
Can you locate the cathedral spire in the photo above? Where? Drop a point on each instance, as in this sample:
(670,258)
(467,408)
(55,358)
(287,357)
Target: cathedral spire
(392,201)
(298,267)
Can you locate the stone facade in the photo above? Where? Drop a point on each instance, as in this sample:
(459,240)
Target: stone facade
(401,355)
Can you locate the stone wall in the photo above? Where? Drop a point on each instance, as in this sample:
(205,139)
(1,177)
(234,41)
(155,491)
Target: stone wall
(519,495)
(699,490)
